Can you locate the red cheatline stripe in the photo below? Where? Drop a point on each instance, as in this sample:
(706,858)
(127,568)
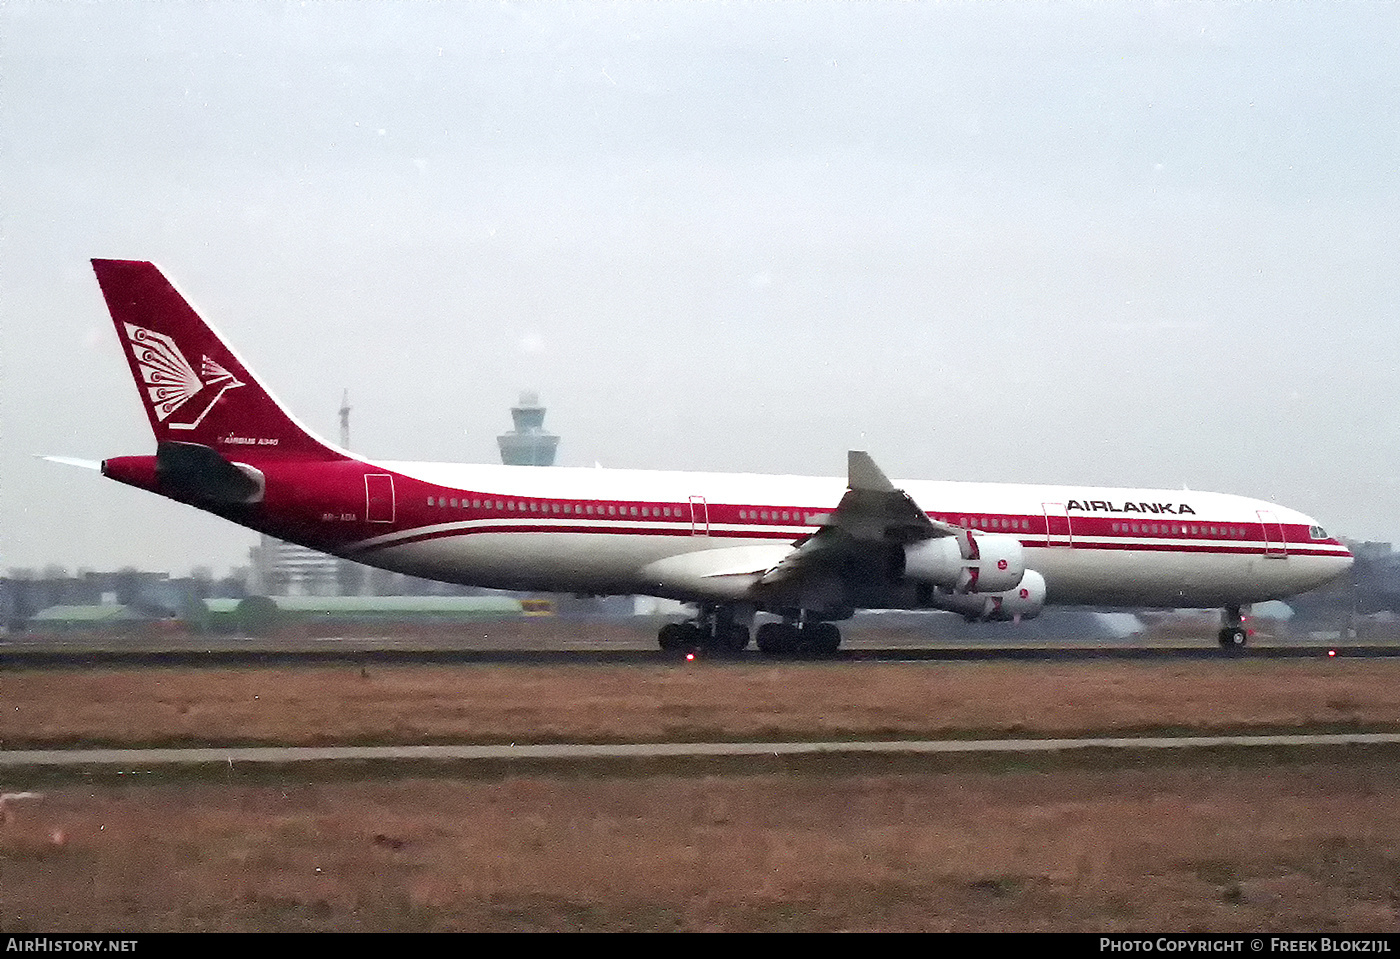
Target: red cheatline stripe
(728,514)
(1226,548)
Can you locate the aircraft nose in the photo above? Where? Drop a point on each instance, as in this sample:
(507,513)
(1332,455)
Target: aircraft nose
(1339,563)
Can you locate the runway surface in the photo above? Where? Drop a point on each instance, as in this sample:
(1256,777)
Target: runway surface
(150,759)
(16,655)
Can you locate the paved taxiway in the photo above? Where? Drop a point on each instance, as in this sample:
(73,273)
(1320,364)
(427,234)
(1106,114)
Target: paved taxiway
(152,759)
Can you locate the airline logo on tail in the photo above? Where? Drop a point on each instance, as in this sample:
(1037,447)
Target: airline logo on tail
(171,381)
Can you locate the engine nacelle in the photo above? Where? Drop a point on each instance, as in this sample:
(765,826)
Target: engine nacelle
(994,563)
(1024,602)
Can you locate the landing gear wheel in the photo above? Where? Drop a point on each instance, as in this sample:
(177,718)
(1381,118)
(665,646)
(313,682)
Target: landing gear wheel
(818,640)
(822,639)
(1233,637)
(679,637)
(732,638)
(777,639)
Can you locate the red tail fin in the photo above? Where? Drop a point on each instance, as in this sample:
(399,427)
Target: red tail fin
(195,388)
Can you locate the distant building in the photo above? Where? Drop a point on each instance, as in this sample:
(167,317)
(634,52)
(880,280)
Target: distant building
(285,569)
(1367,551)
(528,444)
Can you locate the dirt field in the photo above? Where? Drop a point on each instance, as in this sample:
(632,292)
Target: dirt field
(483,704)
(1215,843)
(1288,848)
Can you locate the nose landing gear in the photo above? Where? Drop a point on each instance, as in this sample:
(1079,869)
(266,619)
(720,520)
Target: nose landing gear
(1232,633)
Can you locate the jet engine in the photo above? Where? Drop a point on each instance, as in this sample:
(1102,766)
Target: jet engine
(988,563)
(1024,602)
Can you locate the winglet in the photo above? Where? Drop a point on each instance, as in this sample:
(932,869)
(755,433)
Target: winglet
(864,474)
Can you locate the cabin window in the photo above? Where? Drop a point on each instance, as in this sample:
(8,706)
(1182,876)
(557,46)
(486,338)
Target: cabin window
(612,510)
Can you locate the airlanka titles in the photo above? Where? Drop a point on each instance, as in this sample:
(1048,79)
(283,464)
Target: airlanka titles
(1107,506)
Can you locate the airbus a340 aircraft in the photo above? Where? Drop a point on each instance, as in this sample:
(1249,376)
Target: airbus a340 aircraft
(807,550)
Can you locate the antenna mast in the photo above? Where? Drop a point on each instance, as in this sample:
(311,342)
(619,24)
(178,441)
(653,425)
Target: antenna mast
(345,420)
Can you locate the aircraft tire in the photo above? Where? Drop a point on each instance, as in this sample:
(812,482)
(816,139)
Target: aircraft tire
(734,639)
(671,637)
(1233,637)
(776,639)
(679,637)
(825,639)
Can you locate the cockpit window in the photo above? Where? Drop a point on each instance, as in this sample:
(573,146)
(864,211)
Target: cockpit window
(1317,532)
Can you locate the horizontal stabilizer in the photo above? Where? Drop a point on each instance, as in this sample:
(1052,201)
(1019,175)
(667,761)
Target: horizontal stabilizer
(73,461)
(200,472)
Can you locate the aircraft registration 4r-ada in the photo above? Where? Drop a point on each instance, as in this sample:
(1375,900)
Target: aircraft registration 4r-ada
(807,551)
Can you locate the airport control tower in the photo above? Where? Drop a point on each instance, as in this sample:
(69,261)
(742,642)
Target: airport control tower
(528,444)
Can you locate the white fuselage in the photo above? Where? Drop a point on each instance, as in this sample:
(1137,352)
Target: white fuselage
(632,531)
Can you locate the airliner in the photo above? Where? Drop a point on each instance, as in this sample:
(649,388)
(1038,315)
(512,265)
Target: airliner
(805,552)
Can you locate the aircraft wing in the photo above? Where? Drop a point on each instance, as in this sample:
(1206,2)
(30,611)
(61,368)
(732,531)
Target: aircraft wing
(872,515)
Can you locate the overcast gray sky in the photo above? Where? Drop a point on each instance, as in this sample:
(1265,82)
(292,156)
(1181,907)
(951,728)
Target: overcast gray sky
(1113,244)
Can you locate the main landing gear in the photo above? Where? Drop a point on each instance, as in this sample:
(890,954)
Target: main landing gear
(715,629)
(1232,633)
(719,629)
(811,638)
